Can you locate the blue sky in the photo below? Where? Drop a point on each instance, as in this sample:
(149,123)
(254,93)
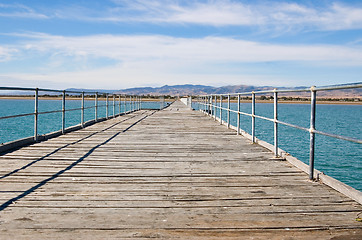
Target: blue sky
(114,44)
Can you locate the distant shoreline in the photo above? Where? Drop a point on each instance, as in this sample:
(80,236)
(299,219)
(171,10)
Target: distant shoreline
(296,102)
(110,99)
(302,102)
(157,100)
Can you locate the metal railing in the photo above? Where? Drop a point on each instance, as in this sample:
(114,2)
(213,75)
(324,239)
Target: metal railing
(209,105)
(129,103)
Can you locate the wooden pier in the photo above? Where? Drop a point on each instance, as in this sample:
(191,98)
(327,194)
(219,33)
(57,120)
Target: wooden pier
(171,174)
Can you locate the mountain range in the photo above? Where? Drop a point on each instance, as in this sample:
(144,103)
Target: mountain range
(189,89)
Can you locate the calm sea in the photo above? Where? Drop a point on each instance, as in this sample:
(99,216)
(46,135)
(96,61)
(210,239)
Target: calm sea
(337,158)
(21,127)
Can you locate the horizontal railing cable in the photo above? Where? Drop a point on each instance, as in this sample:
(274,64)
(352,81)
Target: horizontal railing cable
(102,101)
(209,104)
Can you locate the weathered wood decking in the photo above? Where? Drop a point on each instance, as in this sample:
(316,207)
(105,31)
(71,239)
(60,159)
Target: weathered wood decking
(168,174)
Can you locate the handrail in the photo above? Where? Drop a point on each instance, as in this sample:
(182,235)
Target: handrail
(126,104)
(208,105)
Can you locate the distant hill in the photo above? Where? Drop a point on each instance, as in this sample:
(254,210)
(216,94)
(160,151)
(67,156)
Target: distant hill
(175,90)
(189,89)
(179,90)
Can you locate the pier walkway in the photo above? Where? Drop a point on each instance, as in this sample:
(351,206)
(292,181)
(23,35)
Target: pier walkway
(165,174)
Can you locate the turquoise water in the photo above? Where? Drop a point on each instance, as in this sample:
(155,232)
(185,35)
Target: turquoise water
(21,127)
(337,158)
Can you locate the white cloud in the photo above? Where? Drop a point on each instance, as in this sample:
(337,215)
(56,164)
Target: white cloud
(217,13)
(19,11)
(6,53)
(208,49)
(342,17)
(136,74)
(271,14)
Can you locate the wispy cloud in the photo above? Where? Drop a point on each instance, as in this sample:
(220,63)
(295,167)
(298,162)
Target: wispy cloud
(342,17)
(19,11)
(139,74)
(335,16)
(217,13)
(129,48)
(6,53)
(272,14)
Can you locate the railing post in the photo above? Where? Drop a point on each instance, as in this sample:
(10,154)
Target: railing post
(311,130)
(211,101)
(253,117)
(208,99)
(106,105)
(228,119)
(96,107)
(36,113)
(135,103)
(119,104)
(221,109)
(138,103)
(201,104)
(114,106)
(276,151)
(204,104)
(209,105)
(238,120)
(63,113)
(125,103)
(215,102)
(82,114)
(129,104)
